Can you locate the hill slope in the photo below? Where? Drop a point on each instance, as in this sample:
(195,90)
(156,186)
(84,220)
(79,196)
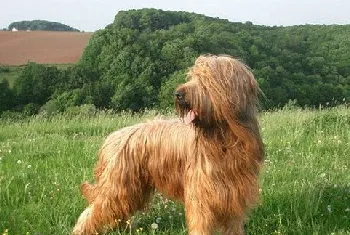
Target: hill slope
(17,48)
(149,50)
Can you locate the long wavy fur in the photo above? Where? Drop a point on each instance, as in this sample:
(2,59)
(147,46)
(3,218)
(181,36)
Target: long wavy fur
(211,164)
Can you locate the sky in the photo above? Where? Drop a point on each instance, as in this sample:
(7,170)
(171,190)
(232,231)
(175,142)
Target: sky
(91,15)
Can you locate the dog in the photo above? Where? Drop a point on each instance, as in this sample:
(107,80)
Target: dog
(208,159)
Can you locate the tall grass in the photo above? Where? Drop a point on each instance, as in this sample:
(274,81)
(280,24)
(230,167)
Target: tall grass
(305,183)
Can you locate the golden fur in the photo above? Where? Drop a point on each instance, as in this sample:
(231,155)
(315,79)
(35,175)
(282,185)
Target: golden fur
(211,164)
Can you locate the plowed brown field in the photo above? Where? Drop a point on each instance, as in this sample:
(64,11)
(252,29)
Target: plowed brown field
(17,48)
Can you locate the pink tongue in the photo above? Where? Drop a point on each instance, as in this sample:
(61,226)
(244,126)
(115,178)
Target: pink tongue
(189,117)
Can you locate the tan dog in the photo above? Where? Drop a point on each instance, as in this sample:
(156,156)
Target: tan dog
(210,162)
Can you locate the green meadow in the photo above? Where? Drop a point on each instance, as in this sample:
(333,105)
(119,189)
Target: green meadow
(305,181)
(10,73)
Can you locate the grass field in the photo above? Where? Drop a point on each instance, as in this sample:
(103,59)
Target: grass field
(305,182)
(11,74)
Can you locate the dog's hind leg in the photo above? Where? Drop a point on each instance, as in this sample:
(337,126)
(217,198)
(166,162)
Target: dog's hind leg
(103,214)
(112,206)
(86,224)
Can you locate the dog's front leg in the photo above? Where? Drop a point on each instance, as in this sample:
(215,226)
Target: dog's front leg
(235,227)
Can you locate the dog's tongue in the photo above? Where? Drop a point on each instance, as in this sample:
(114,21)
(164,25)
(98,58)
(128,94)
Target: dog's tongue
(189,117)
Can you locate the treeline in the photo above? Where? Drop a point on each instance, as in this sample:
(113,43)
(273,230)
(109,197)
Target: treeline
(137,61)
(41,25)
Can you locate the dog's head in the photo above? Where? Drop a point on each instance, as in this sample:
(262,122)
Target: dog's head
(219,90)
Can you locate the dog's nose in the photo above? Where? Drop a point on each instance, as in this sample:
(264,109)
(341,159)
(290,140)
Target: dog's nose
(179,95)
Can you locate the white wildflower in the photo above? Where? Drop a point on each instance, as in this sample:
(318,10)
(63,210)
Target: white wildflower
(329,208)
(154,226)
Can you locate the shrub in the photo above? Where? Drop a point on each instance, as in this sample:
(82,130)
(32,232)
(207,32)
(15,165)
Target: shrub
(86,110)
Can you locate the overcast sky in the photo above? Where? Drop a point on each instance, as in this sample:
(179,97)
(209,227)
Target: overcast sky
(90,15)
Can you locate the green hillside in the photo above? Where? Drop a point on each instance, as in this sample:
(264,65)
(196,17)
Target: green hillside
(147,48)
(138,60)
(41,25)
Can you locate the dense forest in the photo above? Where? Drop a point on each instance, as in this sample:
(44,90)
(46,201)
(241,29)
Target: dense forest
(41,25)
(137,61)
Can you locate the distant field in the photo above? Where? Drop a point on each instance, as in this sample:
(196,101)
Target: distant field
(45,47)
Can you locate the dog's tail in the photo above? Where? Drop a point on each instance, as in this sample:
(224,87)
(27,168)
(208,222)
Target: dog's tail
(89,192)
(109,152)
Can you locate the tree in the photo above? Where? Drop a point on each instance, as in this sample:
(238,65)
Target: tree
(6,96)
(42,25)
(35,84)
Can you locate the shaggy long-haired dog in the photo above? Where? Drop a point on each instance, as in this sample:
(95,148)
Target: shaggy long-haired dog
(209,160)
